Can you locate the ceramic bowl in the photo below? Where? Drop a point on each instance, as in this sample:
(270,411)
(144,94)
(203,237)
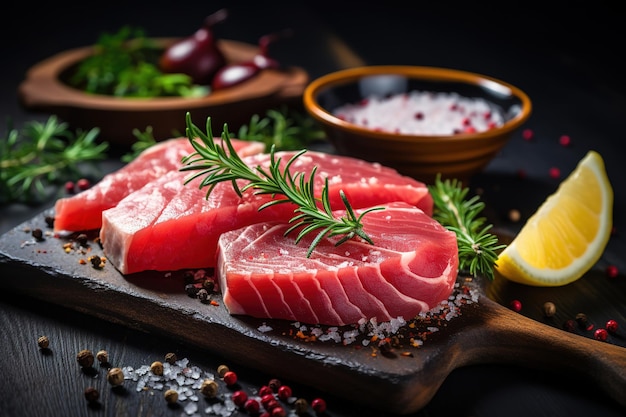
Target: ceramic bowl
(420,153)
(44,90)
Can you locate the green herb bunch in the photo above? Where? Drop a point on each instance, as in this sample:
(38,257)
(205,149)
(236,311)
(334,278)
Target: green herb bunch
(125,64)
(478,249)
(285,129)
(220,163)
(43,154)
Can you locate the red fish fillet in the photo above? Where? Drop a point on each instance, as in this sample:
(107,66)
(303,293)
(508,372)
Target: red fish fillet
(410,269)
(167,225)
(83,211)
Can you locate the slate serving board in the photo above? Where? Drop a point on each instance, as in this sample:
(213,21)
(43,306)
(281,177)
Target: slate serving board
(402,379)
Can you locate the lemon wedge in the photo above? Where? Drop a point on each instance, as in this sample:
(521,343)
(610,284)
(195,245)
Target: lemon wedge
(568,233)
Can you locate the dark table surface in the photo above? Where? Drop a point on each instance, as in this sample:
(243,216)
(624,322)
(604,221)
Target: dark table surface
(567,59)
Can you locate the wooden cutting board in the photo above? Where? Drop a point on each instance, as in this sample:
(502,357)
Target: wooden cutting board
(401,380)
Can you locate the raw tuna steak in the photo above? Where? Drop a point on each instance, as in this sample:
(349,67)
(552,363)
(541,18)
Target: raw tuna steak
(411,268)
(84,210)
(167,225)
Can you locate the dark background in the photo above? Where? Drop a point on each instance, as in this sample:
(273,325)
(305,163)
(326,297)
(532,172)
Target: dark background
(568,56)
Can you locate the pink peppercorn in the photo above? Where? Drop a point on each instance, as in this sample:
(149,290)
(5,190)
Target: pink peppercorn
(69,187)
(230,378)
(83,184)
(601,335)
(565,140)
(265,390)
(516,305)
(252,406)
(284,392)
(528,134)
(240,397)
(318,405)
(611,271)
(554,172)
(611,326)
(278,412)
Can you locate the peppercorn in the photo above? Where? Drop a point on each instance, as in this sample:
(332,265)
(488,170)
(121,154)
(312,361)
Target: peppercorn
(274,384)
(611,326)
(301,406)
(549,309)
(37,234)
(96,262)
(265,390)
(209,388)
(91,394)
(171,358)
(569,325)
(171,396)
(85,358)
(102,356)
(230,378)
(318,405)
(209,284)
(516,305)
(49,221)
(43,342)
(82,240)
(221,370)
(191,290)
(115,376)
(157,368)
(612,271)
(239,398)
(284,392)
(203,295)
(601,335)
(252,406)
(583,321)
(278,411)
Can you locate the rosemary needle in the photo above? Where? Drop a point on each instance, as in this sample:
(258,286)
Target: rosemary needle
(220,163)
(477,247)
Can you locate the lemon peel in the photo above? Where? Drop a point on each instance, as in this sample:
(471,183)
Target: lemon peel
(567,234)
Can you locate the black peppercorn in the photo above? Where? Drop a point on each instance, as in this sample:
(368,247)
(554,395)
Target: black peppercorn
(171,396)
(171,358)
(49,221)
(549,309)
(191,290)
(274,384)
(583,321)
(203,295)
(37,234)
(209,285)
(91,394)
(301,406)
(82,240)
(85,358)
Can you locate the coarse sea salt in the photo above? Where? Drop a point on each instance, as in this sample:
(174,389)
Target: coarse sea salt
(423,113)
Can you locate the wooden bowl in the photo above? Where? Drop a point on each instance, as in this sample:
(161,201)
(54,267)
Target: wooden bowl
(420,155)
(43,90)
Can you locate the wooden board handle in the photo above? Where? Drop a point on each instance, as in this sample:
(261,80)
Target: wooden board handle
(505,336)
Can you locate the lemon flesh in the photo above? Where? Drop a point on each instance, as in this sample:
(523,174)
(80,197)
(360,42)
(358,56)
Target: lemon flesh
(567,235)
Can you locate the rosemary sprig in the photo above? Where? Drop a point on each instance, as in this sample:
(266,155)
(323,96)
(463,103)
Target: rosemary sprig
(220,163)
(42,154)
(477,247)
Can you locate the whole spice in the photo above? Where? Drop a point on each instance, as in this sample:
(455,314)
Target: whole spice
(157,368)
(601,335)
(318,405)
(115,377)
(516,305)
(209,388)
(91,394)
(230,378)
(85,358)
(549,309)
(274,384)
(583,322)
(611,326)
(239,398)
(43,342)
(252,406)
(301,406)
(171,396)
(221,370)
(171,358)
(102,356)
(37,234)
